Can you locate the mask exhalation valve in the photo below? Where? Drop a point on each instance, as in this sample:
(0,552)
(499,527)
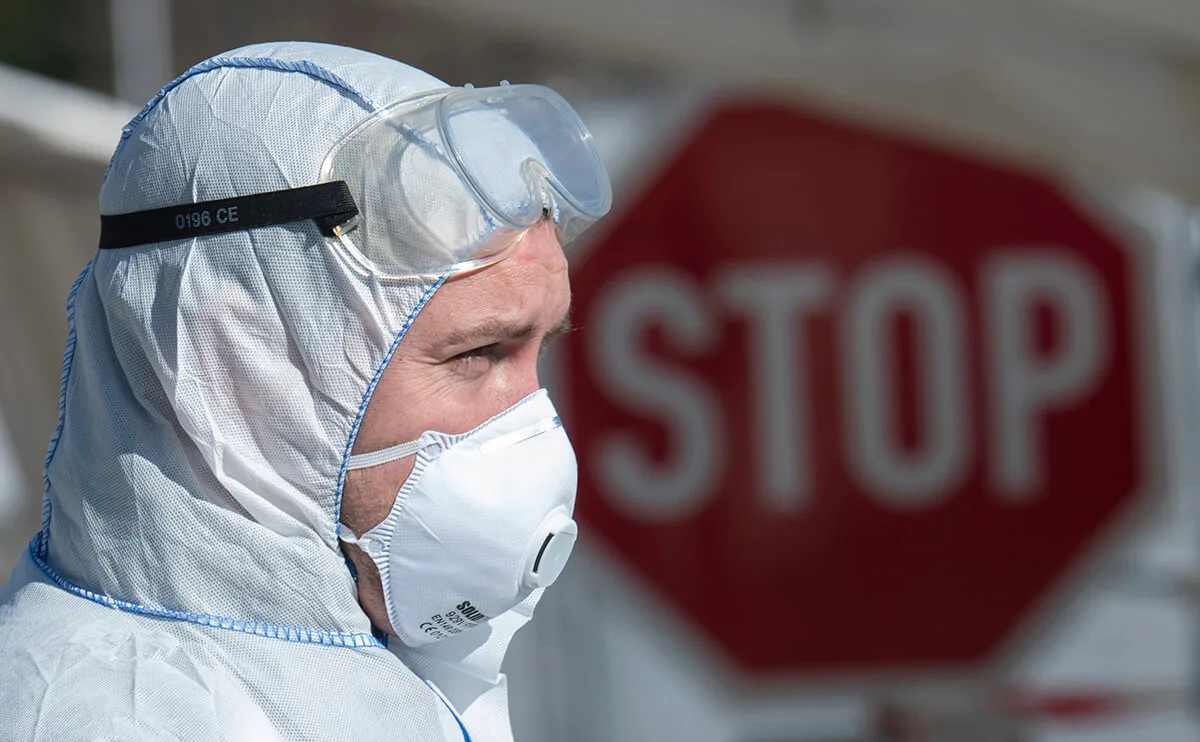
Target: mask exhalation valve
(549,553)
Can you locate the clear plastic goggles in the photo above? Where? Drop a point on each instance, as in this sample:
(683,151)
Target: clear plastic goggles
(445,180)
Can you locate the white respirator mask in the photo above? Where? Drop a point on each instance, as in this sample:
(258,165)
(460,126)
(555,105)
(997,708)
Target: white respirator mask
(483,520)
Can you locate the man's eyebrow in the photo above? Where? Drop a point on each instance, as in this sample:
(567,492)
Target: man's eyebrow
(487,331)
(492,330)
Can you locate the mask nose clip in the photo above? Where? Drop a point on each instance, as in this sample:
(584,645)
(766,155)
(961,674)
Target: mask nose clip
(550,550)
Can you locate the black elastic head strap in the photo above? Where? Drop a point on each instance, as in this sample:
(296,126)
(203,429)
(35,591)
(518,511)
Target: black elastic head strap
(329,205)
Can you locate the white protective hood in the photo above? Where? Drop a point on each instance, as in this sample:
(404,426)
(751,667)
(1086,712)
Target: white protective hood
(212,390)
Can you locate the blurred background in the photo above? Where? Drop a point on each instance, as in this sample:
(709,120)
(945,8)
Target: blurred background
(885,387)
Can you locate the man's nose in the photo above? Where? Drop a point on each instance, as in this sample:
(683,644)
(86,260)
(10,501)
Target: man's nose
(527,378)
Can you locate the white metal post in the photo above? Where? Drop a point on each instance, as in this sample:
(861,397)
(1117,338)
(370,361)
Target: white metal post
(141,47)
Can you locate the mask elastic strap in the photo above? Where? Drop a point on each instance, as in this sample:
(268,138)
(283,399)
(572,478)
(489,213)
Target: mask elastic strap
(385,455)
(511,439)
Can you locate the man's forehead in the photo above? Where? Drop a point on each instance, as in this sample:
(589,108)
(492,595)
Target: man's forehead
(524,293)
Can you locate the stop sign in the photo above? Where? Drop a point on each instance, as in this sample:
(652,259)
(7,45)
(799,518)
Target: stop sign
(848,402)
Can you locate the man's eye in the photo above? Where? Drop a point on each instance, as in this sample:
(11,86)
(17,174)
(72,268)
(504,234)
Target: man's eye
(475,356)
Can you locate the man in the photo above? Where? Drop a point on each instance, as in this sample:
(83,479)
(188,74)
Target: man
(304,484)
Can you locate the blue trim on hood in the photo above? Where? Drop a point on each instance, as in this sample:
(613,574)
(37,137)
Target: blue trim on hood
(68,362)
(362,407)
(303,67)
(295,634)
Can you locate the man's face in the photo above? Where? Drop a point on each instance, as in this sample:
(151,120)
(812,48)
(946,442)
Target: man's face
(471,353)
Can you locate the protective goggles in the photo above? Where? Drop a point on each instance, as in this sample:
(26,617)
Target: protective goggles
(435,184)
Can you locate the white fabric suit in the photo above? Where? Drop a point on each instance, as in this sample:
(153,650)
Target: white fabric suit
(189,584)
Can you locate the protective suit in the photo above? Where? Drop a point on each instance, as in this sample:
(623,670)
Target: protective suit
(188,582)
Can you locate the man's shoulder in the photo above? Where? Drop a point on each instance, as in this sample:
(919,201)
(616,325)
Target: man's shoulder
(74,669)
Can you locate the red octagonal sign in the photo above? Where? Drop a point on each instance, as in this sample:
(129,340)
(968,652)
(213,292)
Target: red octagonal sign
(847,402)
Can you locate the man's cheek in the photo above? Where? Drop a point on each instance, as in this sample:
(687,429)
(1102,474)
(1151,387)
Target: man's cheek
(468,405)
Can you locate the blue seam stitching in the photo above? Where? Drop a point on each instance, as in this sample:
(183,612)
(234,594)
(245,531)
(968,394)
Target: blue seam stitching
(293,634)
(68,362)
(362,408)
(304,67)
